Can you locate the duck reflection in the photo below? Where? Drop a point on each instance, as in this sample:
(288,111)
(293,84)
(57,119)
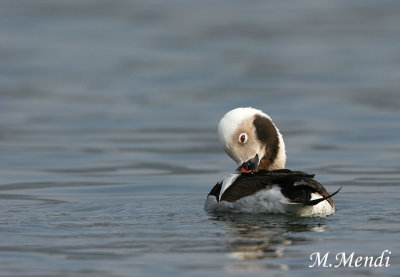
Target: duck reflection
(255,237)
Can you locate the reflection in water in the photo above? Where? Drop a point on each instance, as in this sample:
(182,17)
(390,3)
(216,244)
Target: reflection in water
(251,239)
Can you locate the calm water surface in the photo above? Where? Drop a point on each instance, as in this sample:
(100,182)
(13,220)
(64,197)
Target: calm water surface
(108,144)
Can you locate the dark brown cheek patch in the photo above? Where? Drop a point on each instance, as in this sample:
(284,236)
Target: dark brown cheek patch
(267,134)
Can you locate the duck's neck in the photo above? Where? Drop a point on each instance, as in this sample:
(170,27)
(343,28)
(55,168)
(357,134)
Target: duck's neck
(275,157)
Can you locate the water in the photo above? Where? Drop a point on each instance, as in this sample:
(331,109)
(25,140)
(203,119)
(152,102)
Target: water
(108,144)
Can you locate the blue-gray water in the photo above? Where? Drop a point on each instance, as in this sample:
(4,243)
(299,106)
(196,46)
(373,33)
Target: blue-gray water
(108,144)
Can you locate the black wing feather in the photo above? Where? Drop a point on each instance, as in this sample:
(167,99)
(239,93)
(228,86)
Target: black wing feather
(297,186)
(216,190)
(243,187)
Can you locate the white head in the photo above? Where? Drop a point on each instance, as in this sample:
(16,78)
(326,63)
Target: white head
(249,135)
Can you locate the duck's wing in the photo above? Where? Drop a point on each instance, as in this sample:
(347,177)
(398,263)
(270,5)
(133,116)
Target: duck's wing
(296,186)
(308,183)
(245,185)
(300,191)
(249,183)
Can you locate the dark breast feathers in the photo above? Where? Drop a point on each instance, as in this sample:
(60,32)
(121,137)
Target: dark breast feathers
(296,186)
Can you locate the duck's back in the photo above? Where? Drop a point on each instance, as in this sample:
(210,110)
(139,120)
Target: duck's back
(277,191)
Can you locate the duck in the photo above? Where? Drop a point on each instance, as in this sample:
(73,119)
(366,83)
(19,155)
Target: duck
(261,183)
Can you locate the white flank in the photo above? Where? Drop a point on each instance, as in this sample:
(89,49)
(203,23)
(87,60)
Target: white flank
(269,201)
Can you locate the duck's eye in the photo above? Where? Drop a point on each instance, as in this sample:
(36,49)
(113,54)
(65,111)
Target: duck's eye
(243,138)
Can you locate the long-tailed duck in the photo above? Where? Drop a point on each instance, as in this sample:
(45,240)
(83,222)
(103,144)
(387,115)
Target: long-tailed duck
(261,183)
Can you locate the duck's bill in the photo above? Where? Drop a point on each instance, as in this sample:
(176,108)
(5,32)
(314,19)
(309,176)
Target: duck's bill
(250,165)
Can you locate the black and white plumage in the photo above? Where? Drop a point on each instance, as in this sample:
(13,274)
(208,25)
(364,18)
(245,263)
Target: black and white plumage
(261,184)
